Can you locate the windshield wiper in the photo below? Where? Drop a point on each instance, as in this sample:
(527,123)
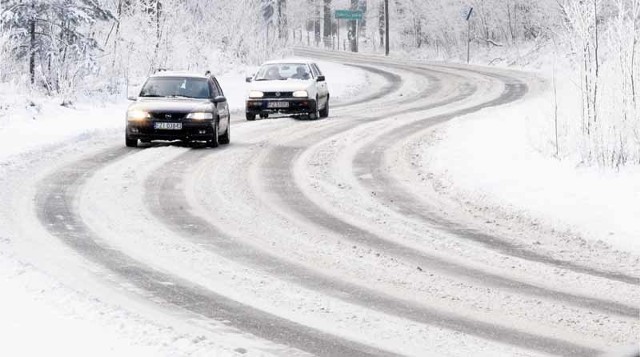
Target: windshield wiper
(152,96)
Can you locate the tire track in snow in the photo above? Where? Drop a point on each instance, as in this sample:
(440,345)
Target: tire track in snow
(55,201)
(279,176)
(207,303)
(393,84)
(55,210)
(170,206)
(369,160)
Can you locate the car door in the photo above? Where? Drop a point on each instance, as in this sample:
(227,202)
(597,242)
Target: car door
(223,107)
(323,88)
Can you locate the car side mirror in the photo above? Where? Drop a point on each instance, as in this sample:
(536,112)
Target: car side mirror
(132,98)
(321,79)
(249,79)
(219,99)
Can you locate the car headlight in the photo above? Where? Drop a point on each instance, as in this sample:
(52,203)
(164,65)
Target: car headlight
(256,94)
(300,94)
(200,116)
(137,115)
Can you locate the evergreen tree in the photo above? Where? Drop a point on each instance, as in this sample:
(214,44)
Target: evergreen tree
(54,36)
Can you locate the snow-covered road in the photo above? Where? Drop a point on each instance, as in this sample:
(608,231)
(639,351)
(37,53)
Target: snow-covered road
(316,237)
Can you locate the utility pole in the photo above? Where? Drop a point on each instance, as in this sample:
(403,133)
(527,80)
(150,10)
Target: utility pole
(353,28)
(386,27)
(328,26)
(338,32)
(469,34)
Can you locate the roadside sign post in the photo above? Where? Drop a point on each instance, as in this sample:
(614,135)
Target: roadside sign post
(386,27)
(469,34)
(338,32)
(357,35)
(350,15)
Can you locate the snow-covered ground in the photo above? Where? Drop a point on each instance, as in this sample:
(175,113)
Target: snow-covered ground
(41,315)
(495,160)
(305,232)
(31,122)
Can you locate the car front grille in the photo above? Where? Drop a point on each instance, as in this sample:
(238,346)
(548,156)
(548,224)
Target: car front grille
(278,95)
(167,116)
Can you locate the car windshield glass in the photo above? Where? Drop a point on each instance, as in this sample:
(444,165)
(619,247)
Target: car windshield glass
(176,87)
(283,71)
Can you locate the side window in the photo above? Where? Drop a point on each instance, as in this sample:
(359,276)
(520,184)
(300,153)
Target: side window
(317,69)
(215,91)
(218,89)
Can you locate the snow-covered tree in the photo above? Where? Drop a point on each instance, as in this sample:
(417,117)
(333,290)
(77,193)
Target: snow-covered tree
(55,38)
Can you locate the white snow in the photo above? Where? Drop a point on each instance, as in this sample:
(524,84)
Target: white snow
(492,158)
(487,157)
(40,317)
(44,316)
(31,122)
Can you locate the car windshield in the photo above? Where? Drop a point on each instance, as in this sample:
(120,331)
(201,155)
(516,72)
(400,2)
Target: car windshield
(176,87)
(283,71)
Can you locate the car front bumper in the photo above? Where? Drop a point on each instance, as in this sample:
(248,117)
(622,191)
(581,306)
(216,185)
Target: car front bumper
(285,106)
(145,130)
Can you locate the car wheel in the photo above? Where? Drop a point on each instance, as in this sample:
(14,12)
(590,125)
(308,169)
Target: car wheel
(226,137)
(251,117)
(132,143)
(264,115)
(325,111)
(315,114)
(214,142)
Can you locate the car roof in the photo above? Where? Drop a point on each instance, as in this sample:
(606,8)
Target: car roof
(180,74)
(289,61)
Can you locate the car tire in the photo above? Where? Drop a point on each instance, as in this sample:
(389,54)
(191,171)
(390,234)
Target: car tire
(251,117)
(315,114)
(214,142)
(226,137)
(324,113)
(129,142)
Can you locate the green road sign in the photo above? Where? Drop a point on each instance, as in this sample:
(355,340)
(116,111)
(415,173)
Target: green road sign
(349,14)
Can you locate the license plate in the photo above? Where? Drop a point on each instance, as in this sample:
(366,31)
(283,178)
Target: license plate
(278,105)
(168,126)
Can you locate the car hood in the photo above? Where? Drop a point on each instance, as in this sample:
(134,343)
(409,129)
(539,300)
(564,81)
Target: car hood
(171,105)
(280,86)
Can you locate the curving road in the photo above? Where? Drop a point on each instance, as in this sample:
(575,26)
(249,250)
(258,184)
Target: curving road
(320,237)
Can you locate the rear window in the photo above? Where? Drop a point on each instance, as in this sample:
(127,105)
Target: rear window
(176,87)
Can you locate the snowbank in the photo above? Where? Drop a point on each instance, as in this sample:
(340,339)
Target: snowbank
(32,326)
(33,122)
(491,158)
